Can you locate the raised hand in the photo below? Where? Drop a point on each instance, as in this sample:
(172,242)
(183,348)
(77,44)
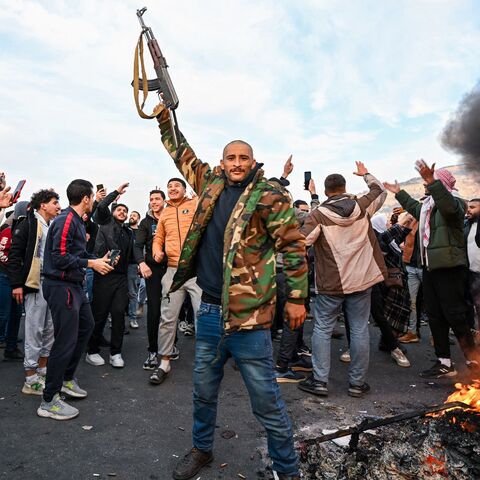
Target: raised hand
(123,188)
(6,198)
(311,187)
(392,187)
(100,195)
(288,167)
(361,169)
(425,171)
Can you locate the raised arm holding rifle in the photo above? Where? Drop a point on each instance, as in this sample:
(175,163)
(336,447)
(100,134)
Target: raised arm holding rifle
(242,221)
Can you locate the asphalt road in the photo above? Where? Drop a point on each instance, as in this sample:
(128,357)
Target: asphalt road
(138,431)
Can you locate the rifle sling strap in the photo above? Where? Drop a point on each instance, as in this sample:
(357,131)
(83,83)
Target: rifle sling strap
(136,79)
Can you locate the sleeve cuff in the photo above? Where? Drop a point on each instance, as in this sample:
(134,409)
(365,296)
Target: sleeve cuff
(83,262)
(297,301)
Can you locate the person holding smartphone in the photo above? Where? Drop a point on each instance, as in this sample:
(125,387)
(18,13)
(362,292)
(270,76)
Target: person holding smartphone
(110,292)
(64,262)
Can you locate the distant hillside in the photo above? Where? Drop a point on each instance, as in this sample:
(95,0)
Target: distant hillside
(467,186)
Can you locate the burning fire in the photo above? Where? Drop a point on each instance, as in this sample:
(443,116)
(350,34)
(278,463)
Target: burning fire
(469,394)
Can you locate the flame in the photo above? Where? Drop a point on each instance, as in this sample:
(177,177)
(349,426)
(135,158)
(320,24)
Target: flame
(469,394)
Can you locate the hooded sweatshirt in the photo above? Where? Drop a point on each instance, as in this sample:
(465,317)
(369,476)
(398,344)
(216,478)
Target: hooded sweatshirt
(348,258)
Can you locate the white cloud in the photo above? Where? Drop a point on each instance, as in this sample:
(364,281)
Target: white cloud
(325,81)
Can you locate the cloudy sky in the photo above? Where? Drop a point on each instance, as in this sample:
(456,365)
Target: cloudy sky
(330,82)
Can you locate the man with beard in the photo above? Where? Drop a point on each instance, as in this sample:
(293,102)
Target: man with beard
(444,260)
(152,272)
(64,263)
(110,292)
(472,234)
(133,280)
(242,221)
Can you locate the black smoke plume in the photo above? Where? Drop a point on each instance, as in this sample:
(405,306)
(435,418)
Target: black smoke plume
(462,132)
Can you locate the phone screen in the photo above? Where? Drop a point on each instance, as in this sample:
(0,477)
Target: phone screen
(18,190)
(307,178)
(100,187)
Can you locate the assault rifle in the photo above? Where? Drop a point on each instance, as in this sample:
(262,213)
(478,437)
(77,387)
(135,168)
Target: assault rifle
(162,84)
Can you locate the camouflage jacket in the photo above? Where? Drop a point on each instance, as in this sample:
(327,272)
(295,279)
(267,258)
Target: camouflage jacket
(262,224)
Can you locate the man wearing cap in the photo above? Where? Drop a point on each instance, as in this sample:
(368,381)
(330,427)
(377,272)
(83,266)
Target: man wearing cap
(444,261)
(110,292)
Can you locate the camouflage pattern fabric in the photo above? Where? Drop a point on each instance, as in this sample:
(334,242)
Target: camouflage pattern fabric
(262,224)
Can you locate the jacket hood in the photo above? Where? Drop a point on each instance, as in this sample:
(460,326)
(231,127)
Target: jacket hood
(341,209)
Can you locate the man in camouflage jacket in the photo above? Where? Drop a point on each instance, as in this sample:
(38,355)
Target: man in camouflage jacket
(241,223)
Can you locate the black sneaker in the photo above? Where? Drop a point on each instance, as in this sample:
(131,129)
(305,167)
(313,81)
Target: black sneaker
(12,355)
(191,464)
(316,387)
(282,476)
(175,355)
(303,364)
(288,376)
(189,330)
(358,390)
(305,351)
(158,376)
(151,363)
(439,370)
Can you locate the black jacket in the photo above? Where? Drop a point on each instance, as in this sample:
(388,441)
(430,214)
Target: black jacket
(24,241)
(65,256)
(112,235)
(143,243)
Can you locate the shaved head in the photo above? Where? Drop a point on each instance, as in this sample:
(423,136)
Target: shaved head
(237,142)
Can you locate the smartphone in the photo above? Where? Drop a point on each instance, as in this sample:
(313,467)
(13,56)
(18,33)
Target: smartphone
(2,181)
(100,187)
(113,256)
(18,190)
(419,164)
(307,178)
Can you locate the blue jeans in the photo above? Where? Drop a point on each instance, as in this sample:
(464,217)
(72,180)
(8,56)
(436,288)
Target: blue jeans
(252,351)
(415,276)
(357,310)
(10,314)
(133,285)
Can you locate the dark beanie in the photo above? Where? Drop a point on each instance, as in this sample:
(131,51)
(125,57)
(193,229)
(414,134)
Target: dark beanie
(116,205)
(178,180)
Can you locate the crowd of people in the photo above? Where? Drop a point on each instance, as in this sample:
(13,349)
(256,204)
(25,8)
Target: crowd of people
(236,264)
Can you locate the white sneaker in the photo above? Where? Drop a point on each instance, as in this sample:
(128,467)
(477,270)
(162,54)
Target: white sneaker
(400,358)
(133,324)
(94,359)
(35,387)
(116,361)
(345,357)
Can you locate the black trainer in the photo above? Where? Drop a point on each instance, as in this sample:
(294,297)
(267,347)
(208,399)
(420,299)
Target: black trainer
(358,390)
(158,376)
(439,370)
(303,364)
(191,464)
(283,476)
(316,387)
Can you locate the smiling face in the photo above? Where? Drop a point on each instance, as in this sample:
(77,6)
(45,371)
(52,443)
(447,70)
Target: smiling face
(156,202)
(176,191)
(238,161)
(134,218)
